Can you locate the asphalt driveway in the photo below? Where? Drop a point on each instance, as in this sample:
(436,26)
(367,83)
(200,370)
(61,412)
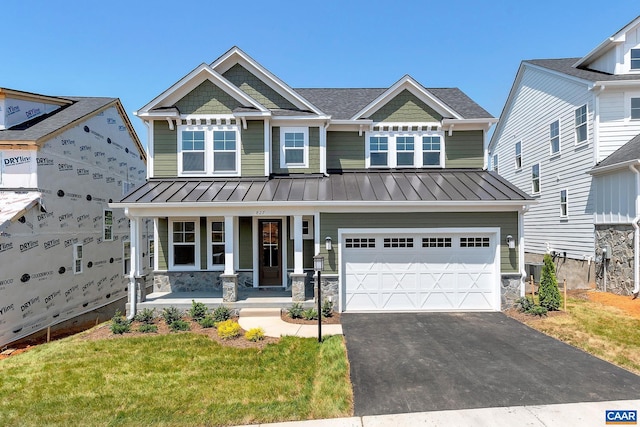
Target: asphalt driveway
(415,362)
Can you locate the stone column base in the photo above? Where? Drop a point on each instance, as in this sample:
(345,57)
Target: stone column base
(297,286)
(229,287)
(141,287)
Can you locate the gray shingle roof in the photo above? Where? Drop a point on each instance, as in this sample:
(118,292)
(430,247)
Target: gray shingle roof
(453,185)
(565,66)
(56,120)
(344,103)
(629,151)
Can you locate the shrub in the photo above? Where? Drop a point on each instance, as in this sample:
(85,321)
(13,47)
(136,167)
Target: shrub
(538,310)
(228,329)
(198,310)
(295,311)
(254,334)
(146,328)
(171,314)
(221,313)
(207,321)
(179,325)
(146,316)
(528,306)
(549,293)
(119,323)
(327,308)
(310,314)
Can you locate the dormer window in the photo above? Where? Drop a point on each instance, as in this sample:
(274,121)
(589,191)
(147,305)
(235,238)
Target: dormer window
(405,149)
(208,150)
(635,59)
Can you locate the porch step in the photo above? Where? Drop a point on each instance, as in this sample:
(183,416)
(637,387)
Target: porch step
(260,312)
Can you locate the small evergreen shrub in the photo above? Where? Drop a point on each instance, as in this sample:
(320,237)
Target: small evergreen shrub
(228,329)
(120,324)
(171,314)
(146,328)
(549,294)
(254,334)
(528,306)
(295,311)
(207,321)
(179,325)
(221,313)
(327,308)
(198,310)
(310,314)
(146,316)
(538,310)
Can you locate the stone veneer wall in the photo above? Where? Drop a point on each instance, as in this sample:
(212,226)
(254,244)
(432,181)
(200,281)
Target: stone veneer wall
(329,289)
(620,266)
(510,285)
(196,281)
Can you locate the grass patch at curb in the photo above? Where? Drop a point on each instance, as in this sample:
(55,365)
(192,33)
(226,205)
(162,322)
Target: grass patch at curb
(174,380)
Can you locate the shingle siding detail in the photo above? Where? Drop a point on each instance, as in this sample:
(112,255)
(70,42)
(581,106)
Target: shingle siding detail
(406,107)
(207,98)
(256,88)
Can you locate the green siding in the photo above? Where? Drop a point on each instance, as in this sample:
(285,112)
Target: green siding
(162,244)
(307,249)
(203,243)
(252,150)
(256,88)
(165,150)
(465,149)
(245,242)
(406,107)
(345,150)
(207,98)
(314,152)
(506,221)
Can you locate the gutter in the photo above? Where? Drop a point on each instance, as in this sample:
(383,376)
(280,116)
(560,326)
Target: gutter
(636,237)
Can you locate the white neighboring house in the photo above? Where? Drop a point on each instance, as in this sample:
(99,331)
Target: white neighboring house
(562,118)
(64,253)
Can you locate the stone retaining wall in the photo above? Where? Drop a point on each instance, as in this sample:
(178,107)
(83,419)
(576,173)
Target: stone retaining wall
(620,266)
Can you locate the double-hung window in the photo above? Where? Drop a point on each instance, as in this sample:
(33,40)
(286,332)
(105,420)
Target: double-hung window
(404,151)
(294,143)
(431,150)
(216,244)
(107,219)
(77,258)
(564,204)
(581,124)
(635,108)
(535,178)
(193,151)
(183,244)
(518,154)
(379,150)
(208,150)
(224,151)
(554,137)
(635,59)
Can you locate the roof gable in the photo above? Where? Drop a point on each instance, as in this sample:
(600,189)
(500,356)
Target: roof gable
(256,88)
(207,98)
(406,107)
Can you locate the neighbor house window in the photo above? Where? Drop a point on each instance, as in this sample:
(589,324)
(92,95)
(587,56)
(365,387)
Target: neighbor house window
(216,244)
(107,219)
(518,155)
(193,151)
(224,151)
(208,150)
(494,163)
(581,124)
(294,143)
(183,244)
(77,258)
(564,204)
(404,151)
(126,256)
(431,150)
(635,108)
(535,178)
(378,150)
(635,59)
(554,137)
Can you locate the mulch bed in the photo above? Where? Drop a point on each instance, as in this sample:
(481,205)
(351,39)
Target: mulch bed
(333,320)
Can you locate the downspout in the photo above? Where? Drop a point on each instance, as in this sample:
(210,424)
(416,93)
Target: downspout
(636,237)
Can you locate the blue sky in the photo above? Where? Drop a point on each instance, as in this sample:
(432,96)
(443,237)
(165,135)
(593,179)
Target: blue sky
(134,50)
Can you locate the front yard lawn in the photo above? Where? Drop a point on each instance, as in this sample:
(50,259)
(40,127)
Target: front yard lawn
(181,379)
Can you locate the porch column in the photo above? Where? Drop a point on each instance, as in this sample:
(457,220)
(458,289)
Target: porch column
(297,277)
(229,278)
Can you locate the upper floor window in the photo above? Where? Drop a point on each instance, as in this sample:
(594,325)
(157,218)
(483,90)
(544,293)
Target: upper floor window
(581,124)
(208,150)
(635,108)
(77,258)
(554,137)
(404,151)
(431,151)
(397,149)
(564,204)
(518,154)
(294,143)
(535,178)
(635,59)
(494,163)
(379,150)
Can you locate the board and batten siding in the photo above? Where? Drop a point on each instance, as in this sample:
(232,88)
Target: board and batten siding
(245,243)
(314,152)
(541,98)
(465,149)
(252,149)
(165,150)
(615,127)
(615,197)
(162,244)
(406,107)
(345,150)
(506,221)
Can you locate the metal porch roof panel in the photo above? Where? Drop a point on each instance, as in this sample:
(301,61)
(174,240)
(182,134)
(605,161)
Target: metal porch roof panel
(457,185)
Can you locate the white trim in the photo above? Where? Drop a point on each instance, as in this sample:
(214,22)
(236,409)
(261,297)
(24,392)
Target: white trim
(566,203)
(156,237)
(171,266)
(267,148)
(210,265)
(297,245)
(392,147)
(150,147)
(305,148)
(551,152)
(76,258)
(229,244)
(209,151)
(323,149)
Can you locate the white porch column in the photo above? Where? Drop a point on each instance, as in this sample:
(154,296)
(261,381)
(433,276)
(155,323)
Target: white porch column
(297,244)
(228,245)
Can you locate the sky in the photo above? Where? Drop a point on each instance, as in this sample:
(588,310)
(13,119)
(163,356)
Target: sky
(136,49)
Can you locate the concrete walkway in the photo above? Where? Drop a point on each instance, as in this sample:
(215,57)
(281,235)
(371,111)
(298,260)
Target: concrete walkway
(585,414)
(269,320)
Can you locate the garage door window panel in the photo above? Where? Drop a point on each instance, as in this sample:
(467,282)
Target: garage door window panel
(475,242)
(436,242)
(360,242)
(398,242)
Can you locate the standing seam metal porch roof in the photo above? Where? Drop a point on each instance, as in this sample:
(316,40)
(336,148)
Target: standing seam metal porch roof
(392,186)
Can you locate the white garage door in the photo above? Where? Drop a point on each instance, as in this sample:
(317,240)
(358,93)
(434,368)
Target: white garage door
(444,271)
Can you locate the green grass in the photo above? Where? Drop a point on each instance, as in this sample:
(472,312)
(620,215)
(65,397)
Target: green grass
(174,380)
